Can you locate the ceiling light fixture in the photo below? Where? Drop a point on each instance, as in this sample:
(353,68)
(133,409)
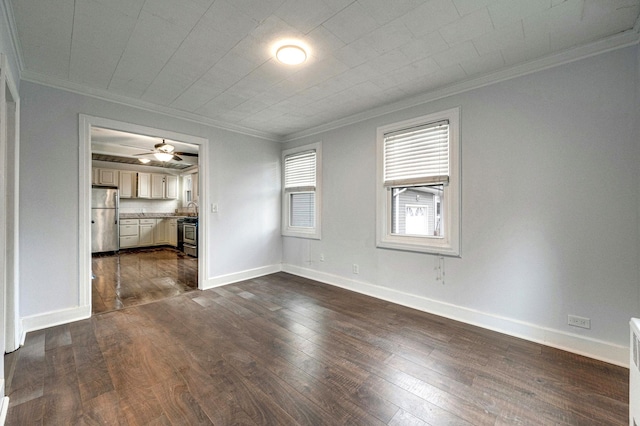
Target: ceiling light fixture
(163,156)
(291,54)
(144,160)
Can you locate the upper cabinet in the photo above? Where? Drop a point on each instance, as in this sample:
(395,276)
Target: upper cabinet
(157,185)
(127,184)
(134,184)
(171,187)
(164,186)
(144,185)
(106,177)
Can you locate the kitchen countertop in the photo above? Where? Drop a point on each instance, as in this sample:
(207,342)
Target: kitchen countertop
(151,215)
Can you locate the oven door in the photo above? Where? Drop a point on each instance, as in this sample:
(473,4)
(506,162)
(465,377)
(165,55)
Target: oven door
(190,234)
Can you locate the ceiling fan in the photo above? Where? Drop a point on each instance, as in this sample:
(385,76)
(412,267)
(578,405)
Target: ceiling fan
(166,152)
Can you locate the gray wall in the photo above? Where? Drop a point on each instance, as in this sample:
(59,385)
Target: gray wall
(550,203)
(244,235)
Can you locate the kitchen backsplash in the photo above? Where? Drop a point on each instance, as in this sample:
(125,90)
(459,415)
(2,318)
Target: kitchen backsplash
(139,205)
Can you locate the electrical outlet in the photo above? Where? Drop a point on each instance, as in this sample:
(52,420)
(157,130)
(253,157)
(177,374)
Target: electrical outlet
(321,257)
(356,268)
(577,321)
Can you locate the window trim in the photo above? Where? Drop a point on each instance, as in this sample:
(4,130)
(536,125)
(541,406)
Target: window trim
(294,231)
(449,245)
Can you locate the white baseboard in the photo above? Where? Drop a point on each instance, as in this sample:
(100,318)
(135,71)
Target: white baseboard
(241,276)
(592,348)
(4,408)
(50,319)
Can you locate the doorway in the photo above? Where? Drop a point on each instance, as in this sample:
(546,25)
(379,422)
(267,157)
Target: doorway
(124,269)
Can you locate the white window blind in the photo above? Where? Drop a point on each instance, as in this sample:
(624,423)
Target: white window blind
(417,155)
(303,209)
(300,171)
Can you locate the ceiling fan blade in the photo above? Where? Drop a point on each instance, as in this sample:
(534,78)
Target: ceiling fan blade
(186,154)
(176,158)
(144,153)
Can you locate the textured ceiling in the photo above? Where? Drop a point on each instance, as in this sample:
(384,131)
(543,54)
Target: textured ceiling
(211,60)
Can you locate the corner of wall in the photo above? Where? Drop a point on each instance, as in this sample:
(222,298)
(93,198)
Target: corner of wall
(241,276)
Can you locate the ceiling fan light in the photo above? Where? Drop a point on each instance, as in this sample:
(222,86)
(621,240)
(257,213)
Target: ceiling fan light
(144,160)
(291,54)
(163,156)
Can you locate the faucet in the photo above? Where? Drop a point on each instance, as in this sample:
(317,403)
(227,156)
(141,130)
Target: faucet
(194,205)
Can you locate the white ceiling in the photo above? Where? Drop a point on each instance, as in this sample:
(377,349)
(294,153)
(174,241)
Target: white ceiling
(211,60)
(125,144)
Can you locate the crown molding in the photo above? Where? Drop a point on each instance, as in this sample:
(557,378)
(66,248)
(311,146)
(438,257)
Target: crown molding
(618,41)
(104,95)
(7,10)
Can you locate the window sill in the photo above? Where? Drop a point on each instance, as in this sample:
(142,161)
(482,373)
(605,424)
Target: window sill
(439,250)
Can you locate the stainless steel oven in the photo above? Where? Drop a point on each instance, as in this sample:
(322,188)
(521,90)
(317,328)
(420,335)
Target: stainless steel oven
(188,235)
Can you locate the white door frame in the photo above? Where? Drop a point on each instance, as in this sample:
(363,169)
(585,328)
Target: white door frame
(9,208)
(84,196)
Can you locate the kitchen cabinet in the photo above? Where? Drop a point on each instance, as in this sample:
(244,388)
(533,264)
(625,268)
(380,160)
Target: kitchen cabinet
(127,184)
(164,186)
(194,183)
(161,234)
(172,230)
(157,185)
(171,187)
(107,177)
(129,233)
(147,231)
(144,185)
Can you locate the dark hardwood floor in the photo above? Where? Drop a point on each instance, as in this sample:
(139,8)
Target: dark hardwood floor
(138,276)
(283,350)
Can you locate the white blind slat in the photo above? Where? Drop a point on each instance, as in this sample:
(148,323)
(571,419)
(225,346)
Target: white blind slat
(300,170)
(303,209)
(418,155)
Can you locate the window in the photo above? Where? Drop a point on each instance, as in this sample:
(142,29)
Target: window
(418,201)
(301,191)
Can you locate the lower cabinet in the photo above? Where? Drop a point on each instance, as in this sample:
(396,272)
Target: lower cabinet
(129,233)
(173,232)
(161,235)
(147,229)
(148,232)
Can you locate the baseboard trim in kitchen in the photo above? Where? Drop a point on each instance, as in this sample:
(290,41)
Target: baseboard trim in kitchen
(241,276)
(50,319)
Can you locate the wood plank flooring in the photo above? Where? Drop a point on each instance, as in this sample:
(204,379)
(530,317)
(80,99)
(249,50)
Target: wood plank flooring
(138,276)
(283,350)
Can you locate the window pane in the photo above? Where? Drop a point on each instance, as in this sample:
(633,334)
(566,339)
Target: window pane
(302,207)
(417,211)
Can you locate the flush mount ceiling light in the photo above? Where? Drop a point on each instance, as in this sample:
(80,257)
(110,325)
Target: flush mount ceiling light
(291,54)
(144,160)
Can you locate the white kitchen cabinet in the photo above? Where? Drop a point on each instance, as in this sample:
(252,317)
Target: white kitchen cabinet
(129,233)
(161,231)
(157,185)
(195,186)
(108,177)
(127,184)
(171,187)
(172,230)
(144,185)
(147,231)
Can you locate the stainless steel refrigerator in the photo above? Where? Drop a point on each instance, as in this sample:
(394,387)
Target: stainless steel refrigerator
(104,219)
